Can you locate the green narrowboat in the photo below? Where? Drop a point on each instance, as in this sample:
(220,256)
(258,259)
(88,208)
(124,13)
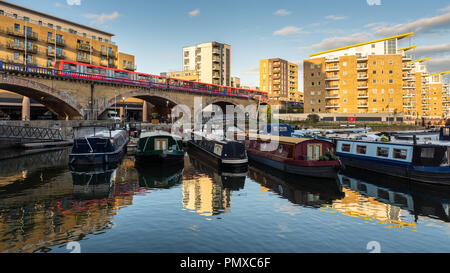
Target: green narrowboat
(159,148)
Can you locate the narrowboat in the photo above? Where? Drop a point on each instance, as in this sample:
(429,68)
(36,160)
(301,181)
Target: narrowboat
(279,129)
(159,147)
(226,155)
(427,163)
(303,156)
(93,182)
(96,145)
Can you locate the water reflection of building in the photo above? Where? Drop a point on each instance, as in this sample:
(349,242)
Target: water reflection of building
(298,190)
(54,211)
(208,192)
(379,200)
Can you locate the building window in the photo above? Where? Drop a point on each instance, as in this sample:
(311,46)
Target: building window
(391,81)
(26,19)
(374,81)
(400,154)
(16,56)
(100,39)
(361,149)
(391,72)
(374,72)
(16,27)
(2,12)
(312,66)
(50,25)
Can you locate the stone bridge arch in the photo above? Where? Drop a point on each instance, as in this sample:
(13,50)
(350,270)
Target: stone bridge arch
(61,104)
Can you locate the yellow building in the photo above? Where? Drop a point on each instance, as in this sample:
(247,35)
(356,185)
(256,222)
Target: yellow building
(279,78)
(211,61)
(360,78)
(38,39)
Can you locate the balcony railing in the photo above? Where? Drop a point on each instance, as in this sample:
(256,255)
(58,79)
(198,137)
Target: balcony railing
(84,47)
(332,87)
(332,60)
(217,60)
(409,86)
(60,55)
(332,105)
(111,53)
(363,86)
(332,97)
(83,59)
(363,77)
(59,42)
(332,68)
(333,78)
(21,33)
(21,47)
(362,58)
(362,67)
(363,95)
(363,105)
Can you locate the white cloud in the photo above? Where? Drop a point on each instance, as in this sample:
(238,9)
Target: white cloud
(446,9)
(373,2)
(336,18)
(73,2)
(251,71)
(194,12)
(287,31)
(100,19)
(423,25)
(438,64)
(432,50)
(335,42)
(282,12)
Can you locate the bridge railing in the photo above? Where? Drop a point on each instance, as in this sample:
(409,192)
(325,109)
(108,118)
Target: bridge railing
(26,133)
(156,83)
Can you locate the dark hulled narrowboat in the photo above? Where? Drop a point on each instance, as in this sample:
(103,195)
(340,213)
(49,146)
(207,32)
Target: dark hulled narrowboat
(303,156)
(226,155)
(98,145)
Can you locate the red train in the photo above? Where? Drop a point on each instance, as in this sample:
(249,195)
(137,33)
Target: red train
(124,76)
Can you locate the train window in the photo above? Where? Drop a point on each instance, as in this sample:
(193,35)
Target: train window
(400,154)
(89,69)
(361,149)
(66,67)
(345,148)
(383,151)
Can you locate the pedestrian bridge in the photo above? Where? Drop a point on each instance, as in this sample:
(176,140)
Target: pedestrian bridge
(72,95)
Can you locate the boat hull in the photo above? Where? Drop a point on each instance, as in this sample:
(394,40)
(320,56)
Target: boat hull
(160,158)
(96,159)
(405,172)
(238,165)
(312,171)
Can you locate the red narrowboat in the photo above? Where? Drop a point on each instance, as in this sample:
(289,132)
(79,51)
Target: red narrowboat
(303,156)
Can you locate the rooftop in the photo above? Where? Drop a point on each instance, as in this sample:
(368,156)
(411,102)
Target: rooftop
(366,43)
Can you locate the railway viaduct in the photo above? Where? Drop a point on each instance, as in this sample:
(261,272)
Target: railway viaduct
(73,98)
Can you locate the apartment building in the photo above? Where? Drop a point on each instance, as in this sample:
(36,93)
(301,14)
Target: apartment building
(211,61)
(279,78)
(362,78)
(37,39)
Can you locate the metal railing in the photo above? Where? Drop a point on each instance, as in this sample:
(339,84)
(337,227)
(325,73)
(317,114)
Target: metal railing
(25,133)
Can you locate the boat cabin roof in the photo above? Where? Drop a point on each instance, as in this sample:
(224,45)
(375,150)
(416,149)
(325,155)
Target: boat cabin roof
(159,133)
(292,140)
(96,131)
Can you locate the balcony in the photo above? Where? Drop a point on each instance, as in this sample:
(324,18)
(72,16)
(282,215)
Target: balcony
(216,60)
(362,67)
(20,33)
(407,59)
(333,78)
(409,86)
(216,76)
(363,95)
(365,86)
(277,64)
(130,67)
(33,49)
(332,68)
(84,47)
(216,67)
(83,59)
(109,53)
(362,59)
(408,96)
(59,55)
(332,60)
(216,51)
(332,96)
(407,67)
(363,77)
(332,87)
(59,42)
(332,105)
(363,105)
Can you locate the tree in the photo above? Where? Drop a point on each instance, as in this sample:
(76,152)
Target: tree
(313,118)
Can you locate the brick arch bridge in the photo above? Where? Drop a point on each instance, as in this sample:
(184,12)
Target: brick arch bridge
(79,98)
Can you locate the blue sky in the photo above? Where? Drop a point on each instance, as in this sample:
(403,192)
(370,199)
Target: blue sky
(156,31)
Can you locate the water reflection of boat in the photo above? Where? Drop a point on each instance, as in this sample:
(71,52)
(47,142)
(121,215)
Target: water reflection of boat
(157,177)
(93,182)
(229,180)
(300,190)
(421,201)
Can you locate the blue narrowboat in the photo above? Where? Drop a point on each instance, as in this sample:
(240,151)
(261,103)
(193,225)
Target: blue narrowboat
(95,145)
(426,163)
(279,129)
